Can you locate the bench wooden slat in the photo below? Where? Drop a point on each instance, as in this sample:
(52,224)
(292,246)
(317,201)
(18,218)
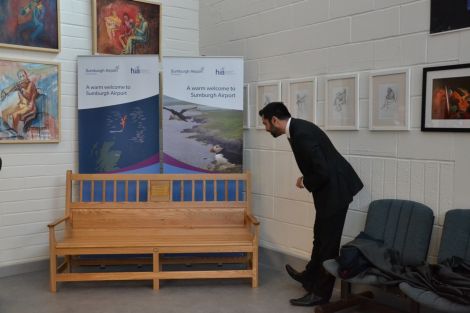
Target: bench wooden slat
(157,205)
(123,218)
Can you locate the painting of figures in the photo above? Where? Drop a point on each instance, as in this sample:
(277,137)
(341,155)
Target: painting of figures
(30,24)
(29,102)
(126,27)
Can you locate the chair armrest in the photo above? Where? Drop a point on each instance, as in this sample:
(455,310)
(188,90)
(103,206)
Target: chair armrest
(253,219)
(58,221)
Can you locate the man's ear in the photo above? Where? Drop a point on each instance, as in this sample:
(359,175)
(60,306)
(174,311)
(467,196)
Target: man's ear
(274,120)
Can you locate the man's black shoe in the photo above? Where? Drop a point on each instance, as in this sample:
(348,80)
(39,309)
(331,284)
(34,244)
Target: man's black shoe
(300,277)
(310,299)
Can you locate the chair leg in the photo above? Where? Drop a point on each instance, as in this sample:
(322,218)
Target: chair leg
(414,306)
(345,289)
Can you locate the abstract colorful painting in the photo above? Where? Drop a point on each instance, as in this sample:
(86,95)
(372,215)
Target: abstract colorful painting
(29,102)
(30,24)
(446,98)
(126,27)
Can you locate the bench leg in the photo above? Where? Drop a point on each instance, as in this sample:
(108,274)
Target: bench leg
(53,272)
(254,268)
(156,268)
(68,260)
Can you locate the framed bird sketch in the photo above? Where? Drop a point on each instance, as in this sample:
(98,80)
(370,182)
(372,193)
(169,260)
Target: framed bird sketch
(266,92)
(126,27)
(30,25)
(302,95)
(29,102)
(389,100)
(342,102)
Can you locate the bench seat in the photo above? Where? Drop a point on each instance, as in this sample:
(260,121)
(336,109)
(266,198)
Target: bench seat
(183,237)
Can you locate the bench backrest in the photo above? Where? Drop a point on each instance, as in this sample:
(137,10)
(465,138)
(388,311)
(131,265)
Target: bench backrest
(157,200)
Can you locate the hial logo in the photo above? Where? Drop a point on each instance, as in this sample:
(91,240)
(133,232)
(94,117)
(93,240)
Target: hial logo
(137,70)
(222,72)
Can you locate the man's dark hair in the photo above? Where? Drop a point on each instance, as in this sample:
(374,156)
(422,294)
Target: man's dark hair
(277,109)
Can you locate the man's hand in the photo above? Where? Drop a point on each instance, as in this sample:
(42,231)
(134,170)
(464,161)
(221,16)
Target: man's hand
(300,182)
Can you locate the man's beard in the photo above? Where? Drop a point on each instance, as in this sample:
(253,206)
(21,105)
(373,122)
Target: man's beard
(275,132)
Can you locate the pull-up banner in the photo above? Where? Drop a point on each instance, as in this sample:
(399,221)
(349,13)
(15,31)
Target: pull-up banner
(118,114)
(202,114)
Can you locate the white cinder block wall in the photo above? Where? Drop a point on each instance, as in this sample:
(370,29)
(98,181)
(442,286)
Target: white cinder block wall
(284,39)
(32,180)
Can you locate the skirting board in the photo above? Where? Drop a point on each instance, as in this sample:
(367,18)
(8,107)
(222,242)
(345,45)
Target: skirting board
(17,269)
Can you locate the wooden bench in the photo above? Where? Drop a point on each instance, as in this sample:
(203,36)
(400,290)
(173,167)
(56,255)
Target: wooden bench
(154,215)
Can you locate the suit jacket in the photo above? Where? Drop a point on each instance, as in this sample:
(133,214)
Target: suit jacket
(327,175)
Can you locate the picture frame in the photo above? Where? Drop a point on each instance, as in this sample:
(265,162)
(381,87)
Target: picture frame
(302,96)
(446,98)
(266,92)
(30,25)
(29,101)
(447,16)
(126,27)
(389,100)
(342,102)
(246,106)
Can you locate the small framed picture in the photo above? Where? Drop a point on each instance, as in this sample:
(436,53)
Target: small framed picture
(302,95)
(342,102)
(446,98)
(29,101)
(30,25)
(389,100)
(246,106)
(266,92)
(126,27)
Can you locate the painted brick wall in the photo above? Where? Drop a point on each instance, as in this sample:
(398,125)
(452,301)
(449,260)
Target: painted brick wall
(32,186)
(285,39)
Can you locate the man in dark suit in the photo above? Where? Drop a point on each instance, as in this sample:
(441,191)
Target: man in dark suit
(332,182)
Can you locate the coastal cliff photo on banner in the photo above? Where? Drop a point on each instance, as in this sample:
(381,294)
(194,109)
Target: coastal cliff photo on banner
(203,115)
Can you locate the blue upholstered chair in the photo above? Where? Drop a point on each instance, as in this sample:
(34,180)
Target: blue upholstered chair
(403,225)
(455,241)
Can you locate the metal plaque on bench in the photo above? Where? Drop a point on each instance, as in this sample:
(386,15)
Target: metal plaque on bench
(159,190)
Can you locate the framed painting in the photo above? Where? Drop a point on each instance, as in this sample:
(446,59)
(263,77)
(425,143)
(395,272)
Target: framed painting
(446,98)
(389,100)
(126,27)
(266,92)
(449,15)
(30,25)
(29,102)
(302,95)
(246,106)
(342,102)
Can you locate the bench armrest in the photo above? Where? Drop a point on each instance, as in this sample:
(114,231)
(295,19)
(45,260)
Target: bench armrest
(253,219)
(58,221)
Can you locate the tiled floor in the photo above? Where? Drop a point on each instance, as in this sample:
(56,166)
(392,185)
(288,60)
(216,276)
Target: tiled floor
(29,293)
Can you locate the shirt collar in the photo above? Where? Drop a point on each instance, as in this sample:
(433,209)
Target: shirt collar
(287,128)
